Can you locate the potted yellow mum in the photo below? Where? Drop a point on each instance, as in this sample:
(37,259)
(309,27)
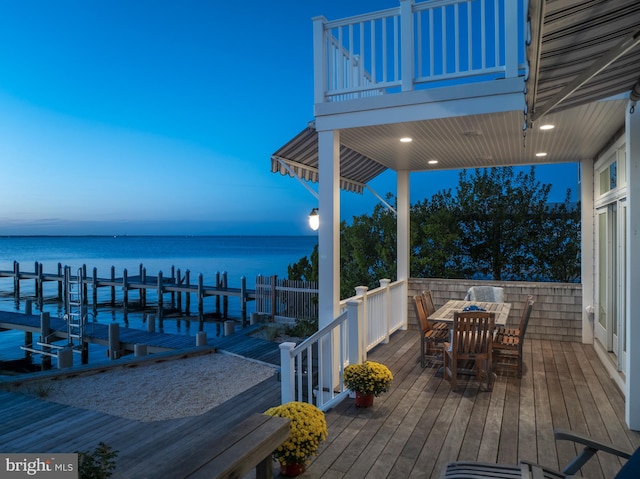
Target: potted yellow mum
(368,379)
(308,428)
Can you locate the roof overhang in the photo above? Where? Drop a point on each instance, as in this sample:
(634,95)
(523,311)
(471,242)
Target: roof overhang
(584,60)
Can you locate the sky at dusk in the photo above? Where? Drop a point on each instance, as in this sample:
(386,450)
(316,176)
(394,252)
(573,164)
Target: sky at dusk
(160,117)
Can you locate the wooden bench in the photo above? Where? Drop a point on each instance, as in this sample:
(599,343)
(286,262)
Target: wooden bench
(247,446)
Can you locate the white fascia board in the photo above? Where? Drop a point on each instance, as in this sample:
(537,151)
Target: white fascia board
(458,100)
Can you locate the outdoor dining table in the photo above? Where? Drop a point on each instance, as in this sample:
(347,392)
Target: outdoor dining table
(445,313)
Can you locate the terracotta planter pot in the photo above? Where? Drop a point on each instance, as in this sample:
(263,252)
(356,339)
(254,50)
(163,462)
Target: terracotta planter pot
(364,400)
(291,469)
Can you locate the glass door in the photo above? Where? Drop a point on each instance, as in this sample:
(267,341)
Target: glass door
(620,336)
(604,274)
(610,324)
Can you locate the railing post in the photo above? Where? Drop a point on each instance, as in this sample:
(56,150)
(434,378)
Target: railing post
(406,43)
(511,45)
(357,353)
(363,317)
(287,378)
(384,283)
(319,60)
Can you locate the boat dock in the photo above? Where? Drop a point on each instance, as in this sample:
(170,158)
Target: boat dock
(127,341)
(177,285)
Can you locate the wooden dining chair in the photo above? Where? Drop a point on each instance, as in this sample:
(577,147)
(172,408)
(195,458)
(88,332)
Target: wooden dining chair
(430,308)
(431,339)
(491,294)
(471,340)
(508,342)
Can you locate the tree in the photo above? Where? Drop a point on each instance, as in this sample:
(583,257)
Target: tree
(368,250)
(501,216)
(557,247)
(305,269)
(435,235)
(498,225)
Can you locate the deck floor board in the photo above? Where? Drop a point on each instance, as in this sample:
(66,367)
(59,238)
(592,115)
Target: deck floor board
(413,430)
(422,424)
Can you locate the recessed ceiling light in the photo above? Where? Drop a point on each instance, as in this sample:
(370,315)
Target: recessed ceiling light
(433,162)
(406,139)
(542,153)
(548,126)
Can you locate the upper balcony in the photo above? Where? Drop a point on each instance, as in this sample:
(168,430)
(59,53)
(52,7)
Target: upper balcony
(467,80)
(418,46)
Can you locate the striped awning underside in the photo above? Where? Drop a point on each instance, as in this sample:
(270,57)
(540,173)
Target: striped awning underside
(301,157)
(588,51)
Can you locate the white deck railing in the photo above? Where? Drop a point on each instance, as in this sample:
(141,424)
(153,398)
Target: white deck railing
(417,45)
(313,370)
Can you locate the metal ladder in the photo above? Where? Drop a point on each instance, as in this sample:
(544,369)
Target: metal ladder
(75,315)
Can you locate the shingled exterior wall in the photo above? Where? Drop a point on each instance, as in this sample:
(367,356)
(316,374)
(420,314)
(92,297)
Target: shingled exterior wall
(556,314)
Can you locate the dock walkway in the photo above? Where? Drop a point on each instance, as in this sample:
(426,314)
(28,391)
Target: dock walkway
(240,342)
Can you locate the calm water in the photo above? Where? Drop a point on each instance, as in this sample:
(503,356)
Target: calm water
(239,256)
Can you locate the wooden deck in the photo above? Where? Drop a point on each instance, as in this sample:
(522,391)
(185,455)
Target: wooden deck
(158,449)
(411,431)
(420,424)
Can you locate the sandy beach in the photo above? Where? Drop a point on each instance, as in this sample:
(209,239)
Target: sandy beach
(156,391)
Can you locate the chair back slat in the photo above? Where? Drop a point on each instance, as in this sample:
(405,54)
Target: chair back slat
(427,300)
(421,315)
(473,331)
(526,314)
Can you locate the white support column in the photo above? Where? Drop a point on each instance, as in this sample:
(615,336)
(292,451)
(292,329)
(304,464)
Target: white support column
(329,251)
(587,272)
(632,385)
(329,232)
(403,226)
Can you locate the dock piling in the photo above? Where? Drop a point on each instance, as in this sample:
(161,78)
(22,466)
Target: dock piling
(65,358)
(200,303)
(225,298)
(125,290)
(94,290)
(143,291)
(243,300)
(45,331)
(60,282)
(187,299)
(160,302)
(114,341)
(113,286)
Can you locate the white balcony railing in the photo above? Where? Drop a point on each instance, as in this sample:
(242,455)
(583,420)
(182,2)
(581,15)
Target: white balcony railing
(313,370)
(418,45)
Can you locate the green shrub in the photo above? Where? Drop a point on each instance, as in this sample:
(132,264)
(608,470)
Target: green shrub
(98,464)
(303,328)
